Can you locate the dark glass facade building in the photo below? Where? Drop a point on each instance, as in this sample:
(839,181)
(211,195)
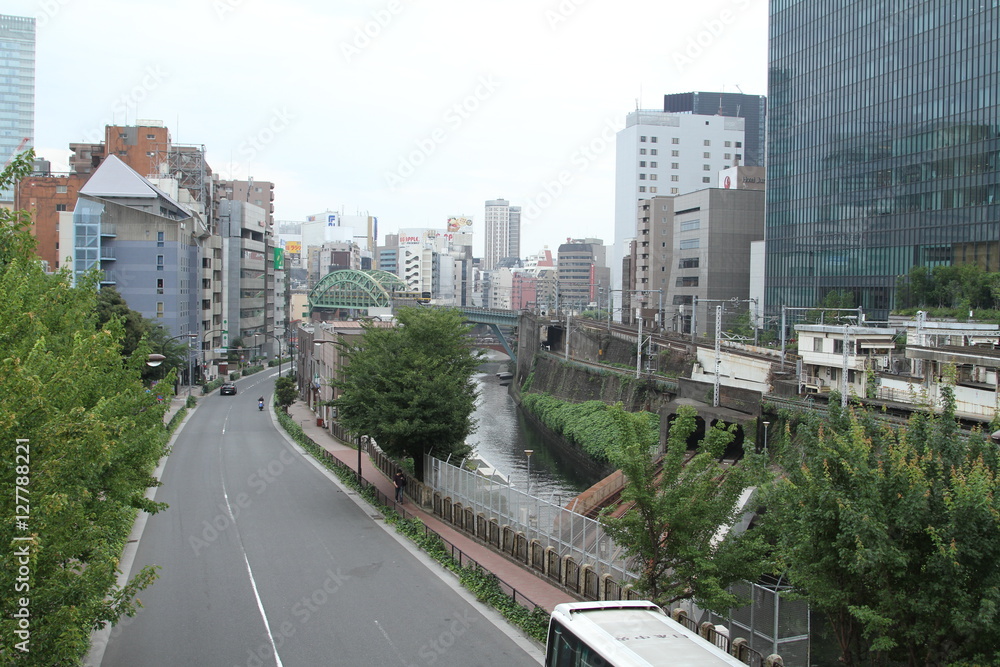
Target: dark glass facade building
(753,108)
(883,145)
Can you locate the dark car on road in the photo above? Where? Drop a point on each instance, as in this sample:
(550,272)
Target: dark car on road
(228,389)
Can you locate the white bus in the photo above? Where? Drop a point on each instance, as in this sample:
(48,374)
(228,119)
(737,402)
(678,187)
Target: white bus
(625,634)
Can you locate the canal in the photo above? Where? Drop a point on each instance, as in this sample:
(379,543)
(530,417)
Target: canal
(504,433)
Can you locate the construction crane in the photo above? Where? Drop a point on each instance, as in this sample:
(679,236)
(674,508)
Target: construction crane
(20,147)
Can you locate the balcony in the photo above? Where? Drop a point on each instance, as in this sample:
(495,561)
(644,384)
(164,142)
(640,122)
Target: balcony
(108,231)
(107,253)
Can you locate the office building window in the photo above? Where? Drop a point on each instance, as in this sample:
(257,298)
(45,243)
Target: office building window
(739,144)
(642,177)
(642,188)
(159,309)
(652,165)
(706,155)
(652,151)
(688,263)
(159,285)
(674,191)
(159,262)
(652,189)
(728,144)
(726,156)
(652,140)
(690,244)
(706,179)
(642,151)
(60,207)
(159,240)
(706,167)
(674,165)
(675,140)
(690,225)
(642,163)
(61,189)
(675,153)
(675,178)
(642,139)
(708,142)
(652,177)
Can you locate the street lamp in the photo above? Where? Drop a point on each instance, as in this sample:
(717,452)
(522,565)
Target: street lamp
(765,436)
(155,360)
(279,347)
(528,453)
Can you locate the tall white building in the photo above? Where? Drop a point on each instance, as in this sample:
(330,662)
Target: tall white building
(662,153)
(17,95)
(503,232)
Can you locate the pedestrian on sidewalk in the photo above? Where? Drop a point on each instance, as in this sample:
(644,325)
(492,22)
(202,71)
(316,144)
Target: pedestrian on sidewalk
(399,481)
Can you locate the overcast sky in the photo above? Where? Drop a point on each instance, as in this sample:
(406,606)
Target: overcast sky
(409,111)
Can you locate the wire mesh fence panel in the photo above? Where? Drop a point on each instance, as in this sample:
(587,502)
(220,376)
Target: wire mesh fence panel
(565,531)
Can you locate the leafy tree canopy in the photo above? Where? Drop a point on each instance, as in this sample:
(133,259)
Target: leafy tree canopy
(90,435)
(893,534)
(675,509)
(410,386)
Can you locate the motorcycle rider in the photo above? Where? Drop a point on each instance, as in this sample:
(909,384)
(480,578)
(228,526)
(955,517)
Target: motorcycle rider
(260,403)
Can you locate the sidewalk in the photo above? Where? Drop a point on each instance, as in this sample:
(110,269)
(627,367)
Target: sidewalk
(526,583)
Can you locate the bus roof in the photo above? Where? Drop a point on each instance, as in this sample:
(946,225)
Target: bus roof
(640,633)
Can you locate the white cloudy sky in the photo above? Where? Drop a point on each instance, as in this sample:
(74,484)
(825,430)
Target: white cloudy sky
(442,105)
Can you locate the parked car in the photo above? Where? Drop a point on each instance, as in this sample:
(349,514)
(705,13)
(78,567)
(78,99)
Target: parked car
(228,389)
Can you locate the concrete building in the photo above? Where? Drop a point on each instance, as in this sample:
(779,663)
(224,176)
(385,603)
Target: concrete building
(248,260)
(752,108)
(696,245)
(882,147)
(660,153)
(503,232)
(258,193)
(143,241)
(17,94)
(581,271)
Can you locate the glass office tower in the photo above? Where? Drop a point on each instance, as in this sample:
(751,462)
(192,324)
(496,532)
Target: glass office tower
(883,145)
(17,89)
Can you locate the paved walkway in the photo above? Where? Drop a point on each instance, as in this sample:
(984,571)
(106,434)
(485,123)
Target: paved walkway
(526,583)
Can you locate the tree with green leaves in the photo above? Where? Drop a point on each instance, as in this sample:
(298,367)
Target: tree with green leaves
(893,534)
(79,436)
(285,392)
(674,510)
(410,386)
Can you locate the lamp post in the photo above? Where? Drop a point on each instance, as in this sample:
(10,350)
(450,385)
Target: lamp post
(765,436)
(528,453)
(277,340)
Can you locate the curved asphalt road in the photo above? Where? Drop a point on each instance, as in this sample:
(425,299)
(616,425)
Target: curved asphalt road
(265,561)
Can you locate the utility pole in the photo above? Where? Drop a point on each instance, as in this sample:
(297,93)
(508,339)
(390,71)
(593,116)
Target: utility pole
(638,348)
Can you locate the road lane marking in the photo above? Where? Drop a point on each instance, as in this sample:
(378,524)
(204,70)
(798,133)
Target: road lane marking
(253,582)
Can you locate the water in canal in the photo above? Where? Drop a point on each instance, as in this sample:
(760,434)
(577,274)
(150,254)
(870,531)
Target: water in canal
(504,433)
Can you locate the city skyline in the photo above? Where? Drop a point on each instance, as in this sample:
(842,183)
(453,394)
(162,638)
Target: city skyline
(365,110)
